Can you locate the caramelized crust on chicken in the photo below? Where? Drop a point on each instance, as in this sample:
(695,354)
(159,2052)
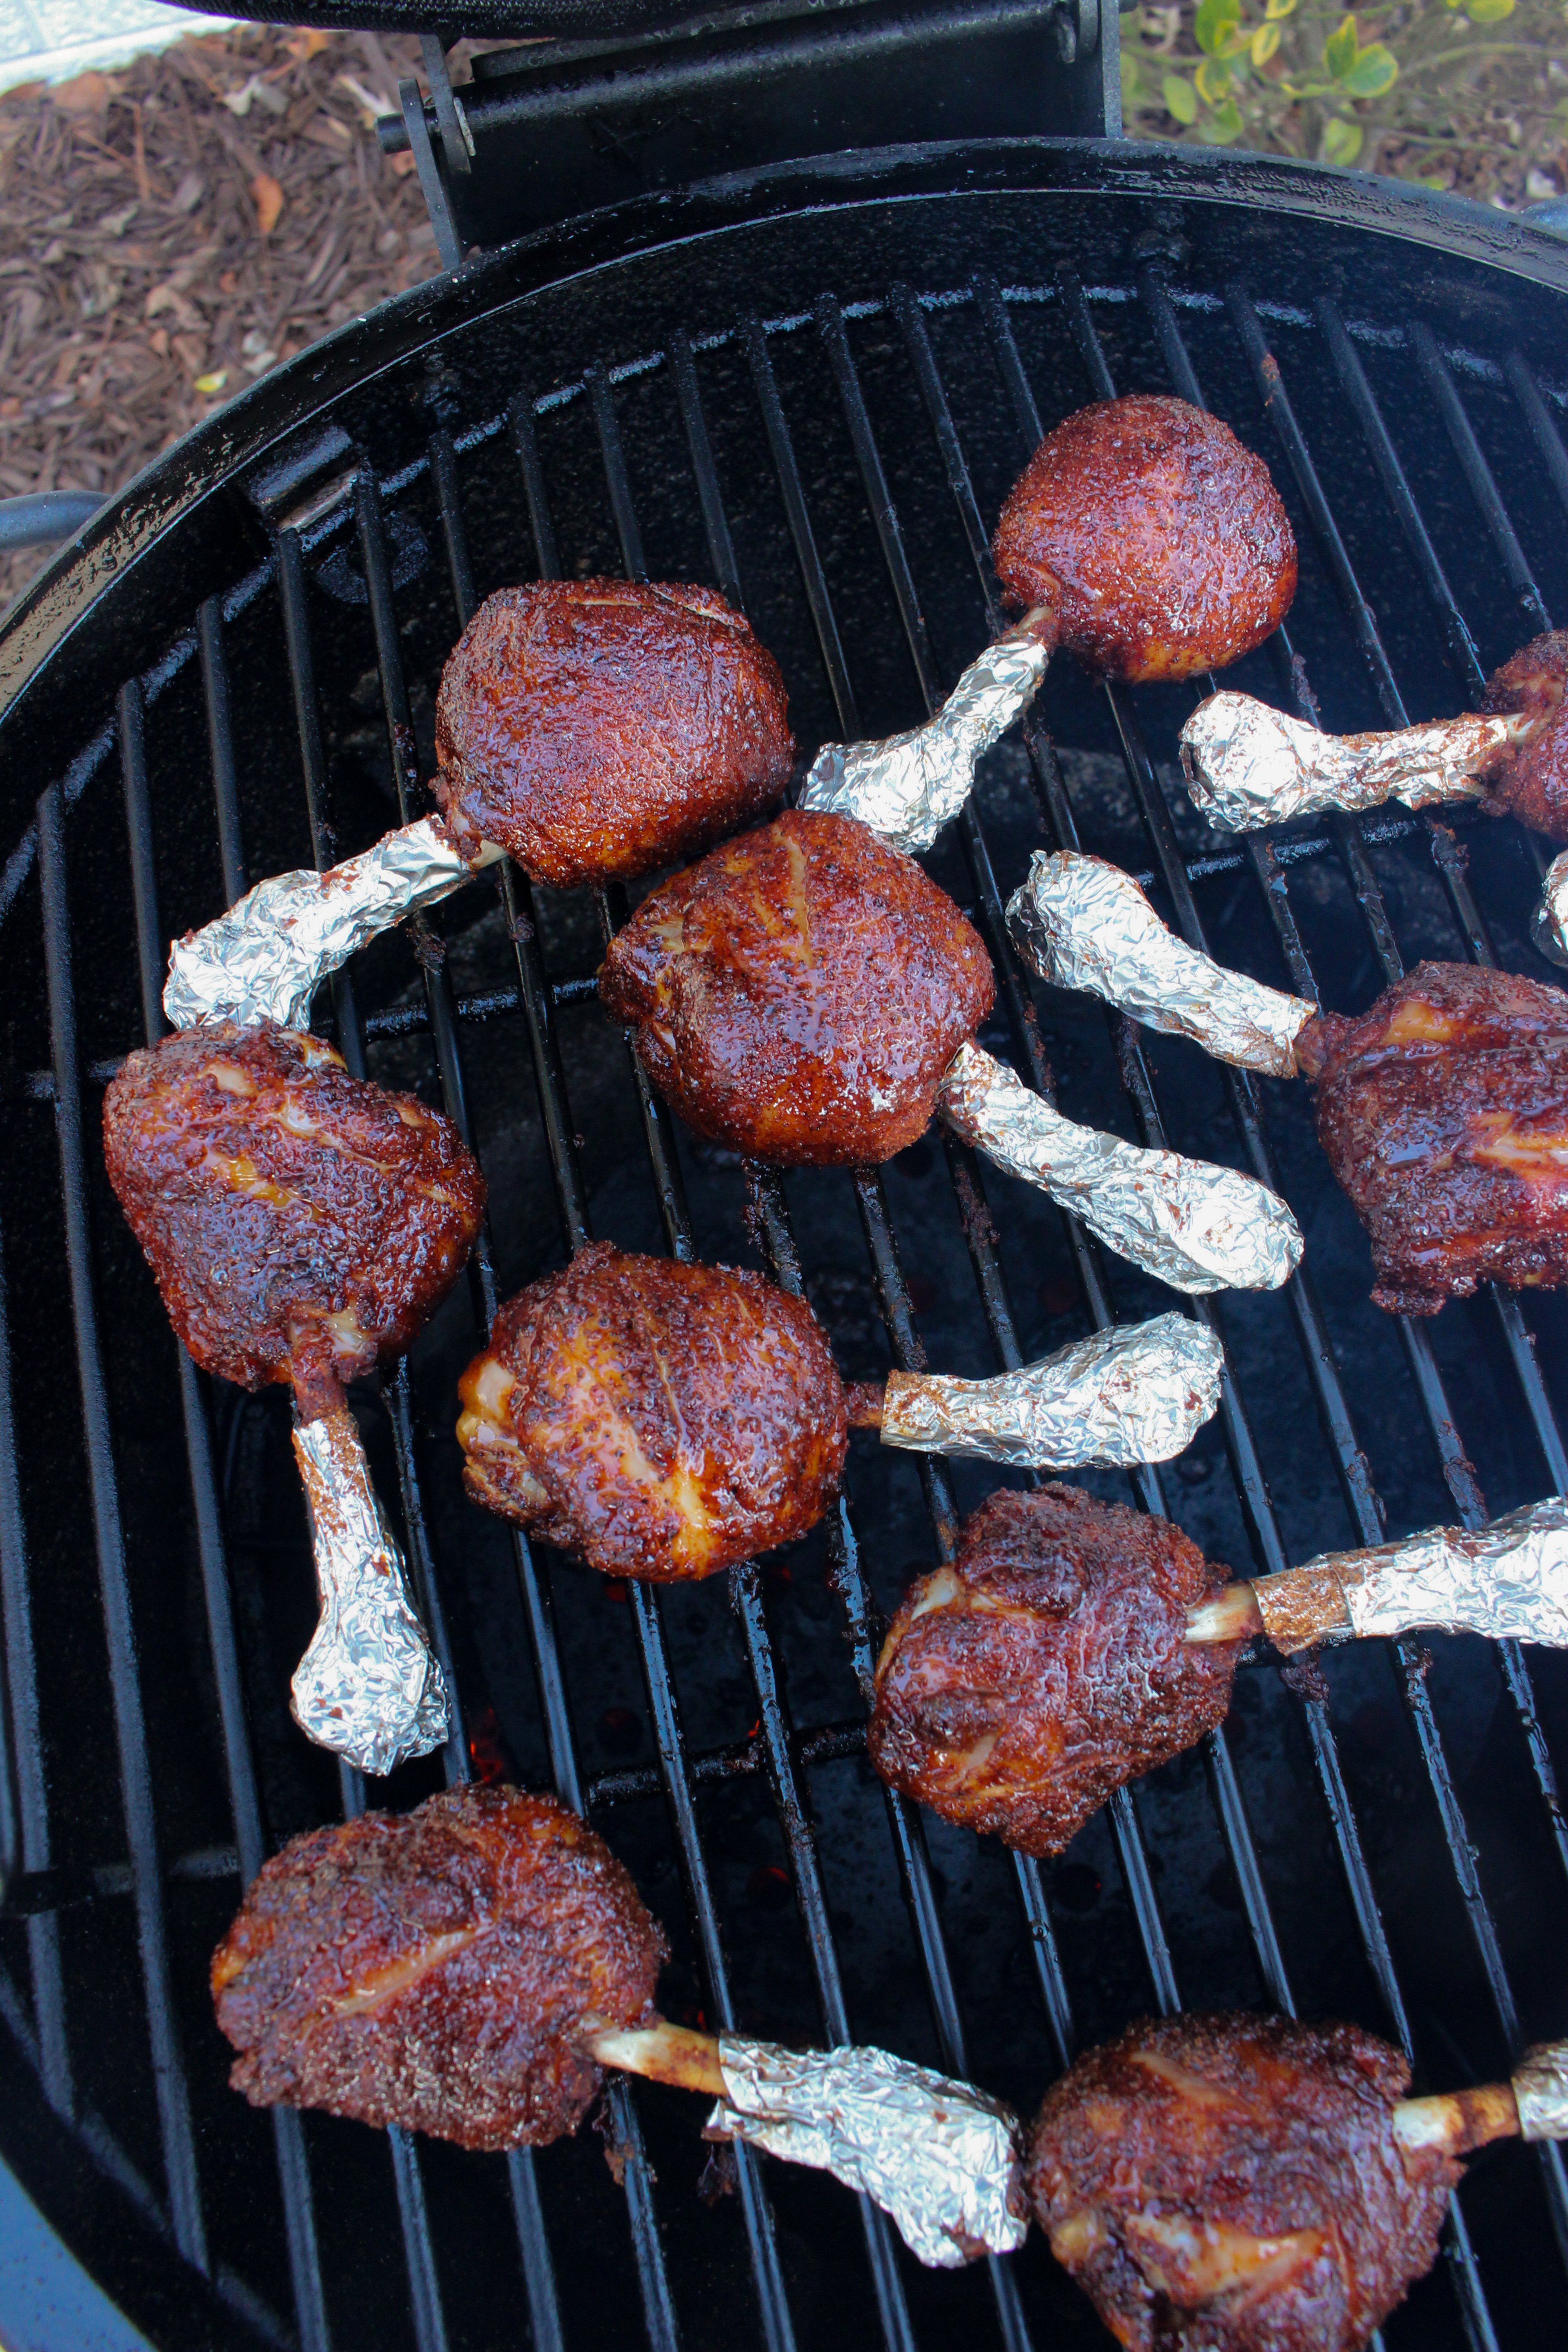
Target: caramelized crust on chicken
(439,1970)
(665,1421)
(1156,539)
(598,729)
(301,1224)
(1444,1112)
(1045,1666)
(1529,781)
(1234,2184)
(799,994)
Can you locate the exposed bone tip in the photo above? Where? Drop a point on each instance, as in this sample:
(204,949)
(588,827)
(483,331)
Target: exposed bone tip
(1232,1615)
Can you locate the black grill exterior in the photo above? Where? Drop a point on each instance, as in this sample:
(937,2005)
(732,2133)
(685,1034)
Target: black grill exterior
(670,393)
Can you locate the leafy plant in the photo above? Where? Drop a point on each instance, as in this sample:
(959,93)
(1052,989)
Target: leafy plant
(1431,89)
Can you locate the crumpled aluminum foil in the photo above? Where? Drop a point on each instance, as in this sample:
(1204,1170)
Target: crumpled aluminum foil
(1550,926)
(907,786)
(369,1687)
(1541,2092)
(264,959)
(1508,1580)
(1083,923)
(1139,1393)
(1248,765)
(938,2156)
(1197,1226)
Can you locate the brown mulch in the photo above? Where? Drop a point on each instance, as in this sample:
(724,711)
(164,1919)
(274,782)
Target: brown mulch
(169,232)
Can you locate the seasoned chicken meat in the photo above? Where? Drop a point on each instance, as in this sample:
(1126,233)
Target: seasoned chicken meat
(1444,1109)
(598,729)
(1529,781)
(441,1969)
(665,1421)
(1156,541)
(301,1224)
(799,994)
(1234,2184)
(1046,1665)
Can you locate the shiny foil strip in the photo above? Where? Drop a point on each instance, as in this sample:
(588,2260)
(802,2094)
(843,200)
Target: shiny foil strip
(264,960)
(1541,2092)
(1508,1580)
(1084,923)
(1197,1226)
(1139,1393)
(368,1687)
(1248,765)
(938,2156)
(1552,915)
(907,786)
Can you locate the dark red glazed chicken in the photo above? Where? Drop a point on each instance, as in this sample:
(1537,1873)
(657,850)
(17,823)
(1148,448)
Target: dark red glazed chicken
(1445,1111)
(1047,1664)
(1529,781)
(665,1421)
(1154,538)
(599,729)
(799,994)
(443,1969)
(1236,2184)
(301,1223)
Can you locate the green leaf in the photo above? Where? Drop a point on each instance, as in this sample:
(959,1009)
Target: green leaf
(1181,98)
(1212,80)
(1213,24)
(1278,8)
(1375,69)
(1340,48)
(1342,141)
(1265,44)
(1488,12)
(1135,91)
(1223,125)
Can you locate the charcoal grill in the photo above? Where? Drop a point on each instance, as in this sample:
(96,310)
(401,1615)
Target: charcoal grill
(233,672)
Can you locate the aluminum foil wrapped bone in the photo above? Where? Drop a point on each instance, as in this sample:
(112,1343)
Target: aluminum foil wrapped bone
(936,2155)
(907,786)
(1198,1227)
(1550,926)
(368,1687)
(1083,923)
(264,960)
(1508,1580)
(1248,765)
(1540,2082)
(1139,1393)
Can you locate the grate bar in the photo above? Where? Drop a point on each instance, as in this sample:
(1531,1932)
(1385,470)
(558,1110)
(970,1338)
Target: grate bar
(1541,421)
(129,1720)
(220,745)
(244,1809)
(1477,474)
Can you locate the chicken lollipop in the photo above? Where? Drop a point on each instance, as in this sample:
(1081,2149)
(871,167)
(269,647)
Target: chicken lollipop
(1443,1109)
(1247,765)
(302,1226)
(667,1421)
(471,1968)
(1070,1645)
(1247,2184)
(595,730)
(807,995)
(1156,543)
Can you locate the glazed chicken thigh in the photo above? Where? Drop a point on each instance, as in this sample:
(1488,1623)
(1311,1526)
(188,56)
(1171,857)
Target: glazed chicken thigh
(301,1223)
(664,1421)
(1444,1109)
(600,728)
(1155,541)
(443,1969)
(1530,779)
(799,994)
(1237,2184)
(1046,1664)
